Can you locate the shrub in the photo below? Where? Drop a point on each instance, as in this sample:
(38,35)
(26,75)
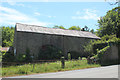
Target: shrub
(22,71)
(28,57)
(99,47)
(49,52)
(88,47)
(79,58)
(83,58)
(20,58)
(106,40)
(24,57)
(69,56)
(7,56)
(101,52)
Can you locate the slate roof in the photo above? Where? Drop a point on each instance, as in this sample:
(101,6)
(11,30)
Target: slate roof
(65,32)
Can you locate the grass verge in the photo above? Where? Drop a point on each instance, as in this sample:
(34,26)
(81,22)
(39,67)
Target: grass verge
(45,67)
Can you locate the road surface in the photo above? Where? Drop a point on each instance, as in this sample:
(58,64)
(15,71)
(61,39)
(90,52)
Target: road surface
(100,72)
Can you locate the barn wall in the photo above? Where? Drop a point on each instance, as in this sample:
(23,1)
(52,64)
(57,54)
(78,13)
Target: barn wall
(34,41)
(74,44)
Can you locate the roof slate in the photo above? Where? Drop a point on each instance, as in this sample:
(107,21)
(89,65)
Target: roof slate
(65,32)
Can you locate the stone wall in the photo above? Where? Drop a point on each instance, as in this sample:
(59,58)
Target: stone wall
(111,55)
(34,41)
(114,52)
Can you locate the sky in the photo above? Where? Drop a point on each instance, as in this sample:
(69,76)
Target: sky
(49,14)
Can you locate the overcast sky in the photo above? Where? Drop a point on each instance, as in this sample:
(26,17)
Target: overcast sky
(48,14)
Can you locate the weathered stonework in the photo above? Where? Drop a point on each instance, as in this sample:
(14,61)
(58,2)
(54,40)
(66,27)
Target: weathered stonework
(34,40)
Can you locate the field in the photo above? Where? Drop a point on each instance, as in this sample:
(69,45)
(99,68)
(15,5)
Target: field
(45,67)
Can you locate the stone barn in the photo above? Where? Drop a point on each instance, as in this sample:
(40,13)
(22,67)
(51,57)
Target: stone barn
(34,37)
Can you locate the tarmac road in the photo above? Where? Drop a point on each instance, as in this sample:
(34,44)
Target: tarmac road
(100,72)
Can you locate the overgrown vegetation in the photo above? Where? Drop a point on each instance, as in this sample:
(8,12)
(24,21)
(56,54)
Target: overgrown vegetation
(46,67)
(7,36)
(110,23)
(76,28)
(98,48)
(74,55)
(69,56)
(9,57)
(109,31)
(49,52)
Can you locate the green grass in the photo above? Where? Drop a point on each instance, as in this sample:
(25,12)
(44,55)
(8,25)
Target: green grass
(45,67)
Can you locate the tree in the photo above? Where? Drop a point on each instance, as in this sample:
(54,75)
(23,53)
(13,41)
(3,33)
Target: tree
(7,36)
(75,28)
(59,27)
(110,23)
(92,30)
(86,28)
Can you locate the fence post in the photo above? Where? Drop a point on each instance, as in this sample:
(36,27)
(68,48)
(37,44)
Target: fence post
(63,62)
(33,66)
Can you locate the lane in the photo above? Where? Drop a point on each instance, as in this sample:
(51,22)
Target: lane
(100,72)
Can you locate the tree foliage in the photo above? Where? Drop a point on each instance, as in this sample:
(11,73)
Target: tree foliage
(109,24)
(49,52)
(59,27)
(86,28)
(106,39)
(7,36)
(75,28)
(7,56)
(92,31)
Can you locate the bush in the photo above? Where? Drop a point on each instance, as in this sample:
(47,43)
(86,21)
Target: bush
(79,58)
(24,57)
(83,58)
(69,56)
(106,40)
(28,57)
(7,56)
(20,58)
(88,47)
(98,48)
(101,52)
(49,52)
